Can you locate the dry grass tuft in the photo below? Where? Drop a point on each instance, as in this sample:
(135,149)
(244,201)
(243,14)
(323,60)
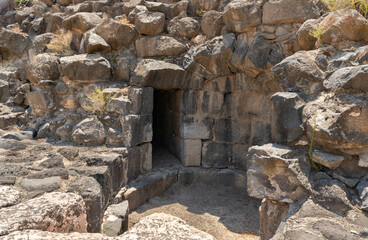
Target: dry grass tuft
(61,42)
(124,20)
(359,5)
(17,29)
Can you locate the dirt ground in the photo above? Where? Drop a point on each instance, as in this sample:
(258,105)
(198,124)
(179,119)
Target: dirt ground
(217,210)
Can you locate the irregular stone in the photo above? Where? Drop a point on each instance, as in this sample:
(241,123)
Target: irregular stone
(92,43)
(137,129)
(216,155)
(133,15)
(41,101)
(58,212)
(12,43)
(7,180)
(53,172)
(82,21)
(347,181)
(175,228)
(13,170)
(363,193)
(304,40)
(115,221)
(213,55)
(299,73)
(275,172)
(162,75)
(288,109)
(69,153)
(328,160)
(339,123)
(19,136)
(159,46)
(116,33)
(90,190)
(348,78)
(4,90)
(289,11)
(8,196)
(212,23)
(271,214)
(52,161)
(78,68)
(43,67)
(183,26)
(151,24)
(44,185)
(343,25)
(45,235)
(89,132)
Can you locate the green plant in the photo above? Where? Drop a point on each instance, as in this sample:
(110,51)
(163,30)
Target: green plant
(24,3)
(317,32)
(98,100)
(315,165)
(360,5)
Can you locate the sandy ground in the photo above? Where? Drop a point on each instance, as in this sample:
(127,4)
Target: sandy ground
(220,211)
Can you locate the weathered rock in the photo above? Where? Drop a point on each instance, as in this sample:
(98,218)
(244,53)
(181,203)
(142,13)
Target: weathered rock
(44,235)
(183,26)
(91,192)
(299,72)
(44,185)
(116,33)
(232,130)
(339,123)
(175,228)
(304,40)
(343,25)
(328,160)
(41,101)
(363,193)
(133,15)
(289,11)
(288,109)
(4,90)
(275,172)
(69,153)
(12,43)
(115,220)
(162,75)
(52,172)
(240,15)
(92,43)
(212,23)
(43,67)
(137,129)
(89,132)
(271,214)
(159,46)
(82,21)
(151,24)
(348,78)
(52,161)
(8,196)
(24,135)
(58,212)
(215,154)
(78,68)
(214,56)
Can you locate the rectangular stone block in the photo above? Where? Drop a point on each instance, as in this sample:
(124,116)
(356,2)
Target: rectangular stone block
(261,132)
(191,152)
(216,155)
(232,130)
(196,127)
(225,84)
(139,160)
(187,101)
(240,152)
(234,105)
(141,99)
(211,102)
(136,129)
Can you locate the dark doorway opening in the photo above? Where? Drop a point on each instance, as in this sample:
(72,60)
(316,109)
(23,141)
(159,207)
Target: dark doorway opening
(165,150)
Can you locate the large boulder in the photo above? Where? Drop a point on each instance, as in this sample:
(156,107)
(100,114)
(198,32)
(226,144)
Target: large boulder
(89,132)
(78,68)
(278,173)
(339,122)
(115,33)
(240,16)
(159,46)
(57,212)
(343,25)
(150,23)
(82,21)
(43,67)
(289,11)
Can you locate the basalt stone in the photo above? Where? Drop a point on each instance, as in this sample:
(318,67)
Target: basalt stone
(82,21)
(232,130)
(89,132)
(116,33)
(12,43)
(216,155)
(159,46)
(44,185)
(43,67)
(151,24)
(349,78)
(137,129)
(92,43)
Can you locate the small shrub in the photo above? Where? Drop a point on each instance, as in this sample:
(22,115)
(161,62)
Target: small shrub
(199,11)
(24,3)
(98,101)
(360,5)
(317,33)
(61,42)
